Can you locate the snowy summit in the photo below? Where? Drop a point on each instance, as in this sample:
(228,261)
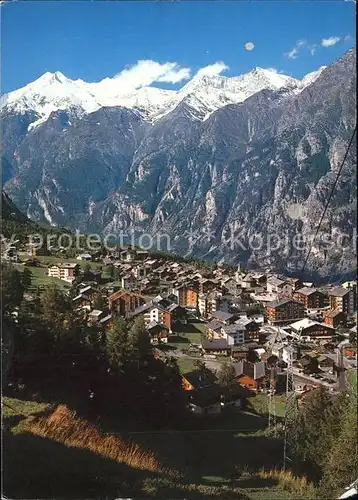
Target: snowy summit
(203,94)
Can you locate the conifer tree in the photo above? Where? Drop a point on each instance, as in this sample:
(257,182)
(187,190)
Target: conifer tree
(117,342)
(138,337)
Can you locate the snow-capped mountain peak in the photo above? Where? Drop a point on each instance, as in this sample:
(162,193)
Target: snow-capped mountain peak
(203,93)
(311,77)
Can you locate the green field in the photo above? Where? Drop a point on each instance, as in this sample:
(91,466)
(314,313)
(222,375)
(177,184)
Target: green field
(185,365)
(184,334)
(40,277)
(259,404)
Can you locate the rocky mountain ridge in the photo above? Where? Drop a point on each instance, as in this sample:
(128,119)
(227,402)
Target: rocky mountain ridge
(212,181)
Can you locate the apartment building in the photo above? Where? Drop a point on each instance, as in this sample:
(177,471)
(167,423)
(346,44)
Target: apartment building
(311,298)
(284,311)
(341,299)
(187,296)
(154,313)
(66,272)
(124,302)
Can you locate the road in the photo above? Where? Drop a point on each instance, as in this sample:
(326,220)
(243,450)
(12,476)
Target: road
(212,364)
(302,378)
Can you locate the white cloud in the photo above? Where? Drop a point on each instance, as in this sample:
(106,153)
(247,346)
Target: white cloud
(292,54)
(348,38)
(313,49)
(145,72)
(213,69)
(328,42)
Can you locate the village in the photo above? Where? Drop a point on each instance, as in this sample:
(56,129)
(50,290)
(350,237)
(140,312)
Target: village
(206,315)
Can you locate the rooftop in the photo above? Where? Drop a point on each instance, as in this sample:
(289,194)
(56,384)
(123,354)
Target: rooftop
(338,291)
(222,315)
(306,290)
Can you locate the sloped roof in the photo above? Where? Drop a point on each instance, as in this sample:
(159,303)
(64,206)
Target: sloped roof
(200,378)
(307,291)
(222,315)
(338,291)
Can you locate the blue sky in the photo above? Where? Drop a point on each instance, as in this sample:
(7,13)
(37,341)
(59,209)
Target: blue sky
(94,40)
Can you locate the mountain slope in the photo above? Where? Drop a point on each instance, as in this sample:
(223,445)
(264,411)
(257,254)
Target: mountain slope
(203,166)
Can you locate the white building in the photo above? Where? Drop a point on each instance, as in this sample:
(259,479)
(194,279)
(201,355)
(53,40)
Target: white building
(66,272)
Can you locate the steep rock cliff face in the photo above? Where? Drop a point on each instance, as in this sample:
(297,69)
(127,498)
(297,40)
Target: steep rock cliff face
(238,184)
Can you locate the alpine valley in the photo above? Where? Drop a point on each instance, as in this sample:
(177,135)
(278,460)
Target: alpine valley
(255,154)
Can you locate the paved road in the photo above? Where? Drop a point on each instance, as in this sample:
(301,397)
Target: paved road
(311,380)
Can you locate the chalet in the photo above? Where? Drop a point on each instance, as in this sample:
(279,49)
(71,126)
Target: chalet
(197,379)
(153,312)
(312,330)
(296,283)
(142,254)
(178,313)
(205,401)
(278,286)
(342,298)
(284,311)
(128,255)
(95,275)
(261,279)
(230,285)
(247,281)
(96,315)
(84,256)
(219,346)
(217,333)
(235,334)
(129,281)
(208,303)
(289,353)
(82,301)
(352,285)
(250,375)
(250,327)
(223,317)
(258,318)
(34,250)
(307,363)
(158,332)
(140,271)
(66,272)
(206,285)
(212,328)
(310,297)
(213,399)
(89,291)
(125,302)
(234,397)
(152,264)
(335,318)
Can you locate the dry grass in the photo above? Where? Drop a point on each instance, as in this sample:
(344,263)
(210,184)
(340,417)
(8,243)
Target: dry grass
(64,427)
(288,481)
